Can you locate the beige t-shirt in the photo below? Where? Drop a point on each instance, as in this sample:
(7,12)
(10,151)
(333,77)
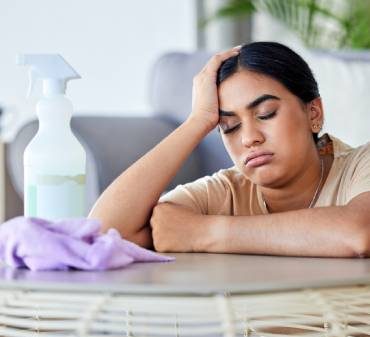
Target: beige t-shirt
(228,192)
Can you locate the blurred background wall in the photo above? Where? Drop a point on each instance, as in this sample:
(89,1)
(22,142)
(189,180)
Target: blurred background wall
(114,43)
(111,43)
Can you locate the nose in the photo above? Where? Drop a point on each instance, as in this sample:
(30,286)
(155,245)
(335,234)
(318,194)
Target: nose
(251,135)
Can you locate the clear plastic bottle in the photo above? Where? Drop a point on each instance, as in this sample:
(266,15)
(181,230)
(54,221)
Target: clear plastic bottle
(54,160)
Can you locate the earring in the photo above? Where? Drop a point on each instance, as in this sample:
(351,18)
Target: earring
(316,127)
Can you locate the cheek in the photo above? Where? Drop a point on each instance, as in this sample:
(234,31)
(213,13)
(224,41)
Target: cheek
(290,129)
(231,146)
(294,137)
(292,147)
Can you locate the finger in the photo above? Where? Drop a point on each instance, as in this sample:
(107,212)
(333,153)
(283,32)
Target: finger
(216,60)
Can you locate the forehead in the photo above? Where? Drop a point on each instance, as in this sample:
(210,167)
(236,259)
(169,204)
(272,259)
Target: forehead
(246,85)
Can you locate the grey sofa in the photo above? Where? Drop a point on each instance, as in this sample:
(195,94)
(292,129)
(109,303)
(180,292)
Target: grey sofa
(114,143)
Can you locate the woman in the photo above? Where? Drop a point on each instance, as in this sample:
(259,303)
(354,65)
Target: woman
(289,192)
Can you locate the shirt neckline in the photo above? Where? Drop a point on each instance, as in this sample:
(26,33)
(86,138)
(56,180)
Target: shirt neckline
(327,144)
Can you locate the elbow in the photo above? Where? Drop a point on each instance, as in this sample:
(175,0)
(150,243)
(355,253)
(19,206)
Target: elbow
(143,238)
(361,243)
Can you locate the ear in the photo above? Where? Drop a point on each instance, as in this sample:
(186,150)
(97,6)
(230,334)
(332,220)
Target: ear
(316,114)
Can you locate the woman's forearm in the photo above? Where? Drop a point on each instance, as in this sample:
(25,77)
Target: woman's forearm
(320,232)
(127,203)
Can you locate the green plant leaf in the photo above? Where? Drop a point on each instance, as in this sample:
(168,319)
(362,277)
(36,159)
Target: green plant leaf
(236,8)
(318,23)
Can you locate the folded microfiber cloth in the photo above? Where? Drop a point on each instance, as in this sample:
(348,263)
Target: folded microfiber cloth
(74,243)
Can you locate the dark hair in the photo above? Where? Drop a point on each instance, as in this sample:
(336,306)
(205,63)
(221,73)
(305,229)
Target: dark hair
(280,63)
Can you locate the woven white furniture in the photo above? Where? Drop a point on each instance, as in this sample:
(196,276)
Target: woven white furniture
(207,295)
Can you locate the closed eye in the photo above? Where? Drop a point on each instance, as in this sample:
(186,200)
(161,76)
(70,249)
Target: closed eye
(226,131)
(267,116)
(261,117)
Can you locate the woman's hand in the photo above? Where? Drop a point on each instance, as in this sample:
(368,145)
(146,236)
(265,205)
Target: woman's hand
(205,98)
(177,229)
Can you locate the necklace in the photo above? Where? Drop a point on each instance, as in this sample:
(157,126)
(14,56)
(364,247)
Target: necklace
(316,191)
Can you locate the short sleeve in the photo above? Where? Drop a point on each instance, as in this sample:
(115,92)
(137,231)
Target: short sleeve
(360,179)
(205,195)
(192,195)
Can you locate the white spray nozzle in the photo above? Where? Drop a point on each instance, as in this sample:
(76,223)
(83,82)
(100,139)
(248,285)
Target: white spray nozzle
(52,69)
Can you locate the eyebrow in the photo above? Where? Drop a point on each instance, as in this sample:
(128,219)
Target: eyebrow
(251,105)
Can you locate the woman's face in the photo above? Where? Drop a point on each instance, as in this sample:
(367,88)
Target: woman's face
(265,129)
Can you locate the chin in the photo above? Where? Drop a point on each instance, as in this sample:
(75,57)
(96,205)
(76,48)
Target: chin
(266,177)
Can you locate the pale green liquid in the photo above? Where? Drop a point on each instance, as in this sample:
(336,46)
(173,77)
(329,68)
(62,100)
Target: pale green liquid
(54,197)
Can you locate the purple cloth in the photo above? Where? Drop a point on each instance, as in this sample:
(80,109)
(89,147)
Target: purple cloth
(74,243)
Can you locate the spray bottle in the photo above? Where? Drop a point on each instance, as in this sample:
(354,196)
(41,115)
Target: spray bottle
(54,160)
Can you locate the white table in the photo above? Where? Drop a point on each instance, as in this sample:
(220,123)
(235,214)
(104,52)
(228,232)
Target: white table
(196,295)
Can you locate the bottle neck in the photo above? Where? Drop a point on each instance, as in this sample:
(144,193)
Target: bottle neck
(53,87)
(54,113)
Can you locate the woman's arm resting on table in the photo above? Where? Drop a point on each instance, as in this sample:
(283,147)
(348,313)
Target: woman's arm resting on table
(338,231)
(127,203)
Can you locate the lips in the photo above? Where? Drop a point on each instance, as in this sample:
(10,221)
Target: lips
(256,159)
